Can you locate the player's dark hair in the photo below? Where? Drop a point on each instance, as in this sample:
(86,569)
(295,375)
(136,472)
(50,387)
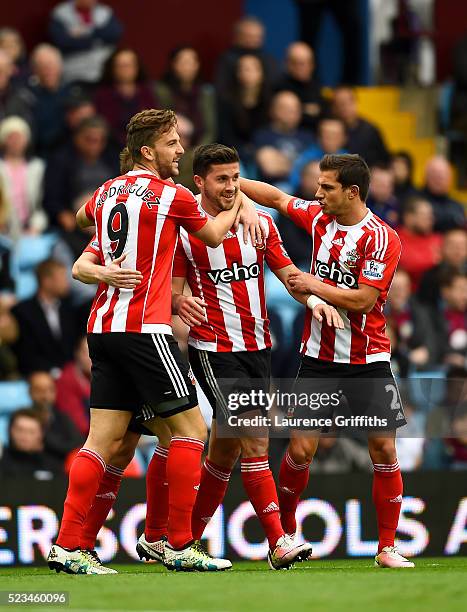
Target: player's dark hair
(350,169)
(209,155)
(144,129)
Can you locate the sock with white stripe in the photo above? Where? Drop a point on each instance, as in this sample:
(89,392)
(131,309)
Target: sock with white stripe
(86,473)
(102,505)
(261,490)
(212,488)
(293,479)
(183,476)
(157,496)
(387,497)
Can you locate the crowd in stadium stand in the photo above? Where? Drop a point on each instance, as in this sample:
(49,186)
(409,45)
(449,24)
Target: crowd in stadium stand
(61,128)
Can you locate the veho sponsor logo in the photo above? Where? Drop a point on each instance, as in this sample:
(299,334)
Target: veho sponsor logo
(335,273)
(236,273)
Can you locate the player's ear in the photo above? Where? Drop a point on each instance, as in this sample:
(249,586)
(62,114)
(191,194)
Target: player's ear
(198,180)
(353,192)
(147,153)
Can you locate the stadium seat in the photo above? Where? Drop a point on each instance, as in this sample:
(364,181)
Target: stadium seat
(29,252)
(14,395)
(4,422)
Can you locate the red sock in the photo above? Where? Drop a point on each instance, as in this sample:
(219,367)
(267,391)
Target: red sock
(387,497)
(101,506)
(86,473)
(183,476)
(212,488)
(261,489)
(293,479)
(157,496)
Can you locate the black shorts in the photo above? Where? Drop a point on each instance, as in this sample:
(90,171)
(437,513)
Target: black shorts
(219,374)
(341,391)
(142,373)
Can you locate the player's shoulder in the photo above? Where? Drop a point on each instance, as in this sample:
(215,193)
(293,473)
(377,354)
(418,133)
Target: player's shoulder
(381,232)
(183,193)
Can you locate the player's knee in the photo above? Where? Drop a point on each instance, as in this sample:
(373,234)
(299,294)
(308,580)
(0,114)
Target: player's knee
(254,447)
(383,450)
(302,451)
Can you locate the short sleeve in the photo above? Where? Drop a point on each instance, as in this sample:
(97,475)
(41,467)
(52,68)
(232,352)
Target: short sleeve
(180,265)
(382,253)
(90,206)
(186,211)
(302,212)
(276,255)
(94,248)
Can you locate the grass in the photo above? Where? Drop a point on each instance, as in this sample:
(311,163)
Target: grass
(342,585)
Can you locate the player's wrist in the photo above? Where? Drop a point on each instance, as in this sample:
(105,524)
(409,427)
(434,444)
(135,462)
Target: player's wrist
(314,300)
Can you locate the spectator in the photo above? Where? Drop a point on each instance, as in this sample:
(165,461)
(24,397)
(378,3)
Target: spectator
(85,31)
(77,107)
(47,323)
(183,90)
(25,454)
(243,106)
(412,324)
(298,77)
(457,446)
(48,97)
(296,240)
(363,137)
(410,439)
(60,435)
(454,317)
(340,456)
(453,259)
(82,166)
(438,181)
(280,143)
(8,336)
(331,139)
(12,43)
(14,100)
(124,91)
(381,199)
(74,388)
(248,39)
(22,177)
(421,246)
(186,130)
(402,171)
(7,284)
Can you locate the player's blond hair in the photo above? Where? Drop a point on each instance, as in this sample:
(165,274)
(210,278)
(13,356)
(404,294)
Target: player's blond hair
(144,129)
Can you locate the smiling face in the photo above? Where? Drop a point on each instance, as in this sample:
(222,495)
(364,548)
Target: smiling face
(165,154)
(220,186)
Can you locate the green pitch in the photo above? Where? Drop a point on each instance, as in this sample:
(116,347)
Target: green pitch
(435,584)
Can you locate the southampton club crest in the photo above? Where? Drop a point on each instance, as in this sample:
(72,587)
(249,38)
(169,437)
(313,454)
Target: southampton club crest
(352,258)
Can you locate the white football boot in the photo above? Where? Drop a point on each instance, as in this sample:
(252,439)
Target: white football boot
(193,559)
(287,552)
(391,557)
(150,551)
(75,562)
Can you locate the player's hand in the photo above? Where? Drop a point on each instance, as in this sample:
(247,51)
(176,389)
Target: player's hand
(248,216)
(191,310)
(330,315)
(122,278)
(301,282)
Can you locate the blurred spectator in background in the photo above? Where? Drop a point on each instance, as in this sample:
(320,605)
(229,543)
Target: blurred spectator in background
(47,322)
(243,106)
(7,284)
(363,137)
(457,446)
(280,143)
(69,246)
(410,439)
(12,43)
(438,181)
(296,241)
(74,388)
(48,97)
(459,97)
(25,454)
(298,77)
(123,91)
(60,434)
(186,130)
(454,317)
(453,259)
(348,16)
(22,177)
(182,89)
(14,100)
(79,167)
(86,32)
(248,39)
(381,199)
(411,322)
(77,107)
(421,246)
(331,139)
(402,171)
(340,455)
(8,336)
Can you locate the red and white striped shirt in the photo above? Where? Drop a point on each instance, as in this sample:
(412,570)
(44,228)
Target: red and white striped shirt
(140,215)
(348,256)
(230,279)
